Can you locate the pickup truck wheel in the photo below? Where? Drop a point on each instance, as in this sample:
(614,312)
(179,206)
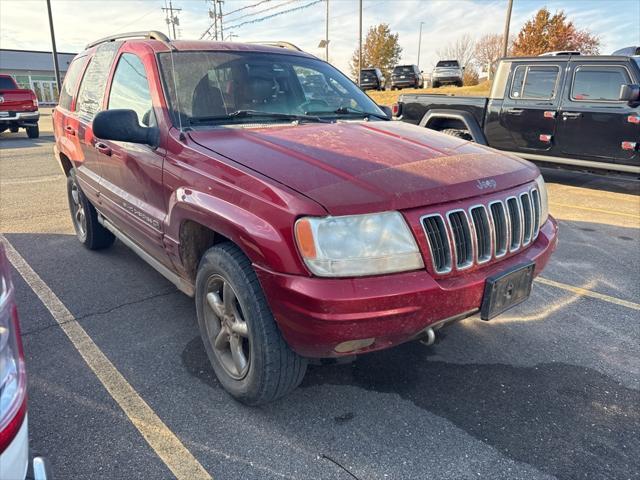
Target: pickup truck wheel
(33,132)
(244,345)
(13,129)
(85,218)
(454,132)
(435,85)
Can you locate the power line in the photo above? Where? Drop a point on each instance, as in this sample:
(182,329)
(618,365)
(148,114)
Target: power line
(257,20)
(261,11)
(248,6)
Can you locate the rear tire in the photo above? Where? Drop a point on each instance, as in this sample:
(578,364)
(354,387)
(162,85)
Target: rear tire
(459,84)
(14,129)
(244,345)
(436,85)
(85,218)
(33,132)
(454,132)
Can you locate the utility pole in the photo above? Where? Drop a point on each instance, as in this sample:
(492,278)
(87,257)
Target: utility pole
(214,15)
(219,2)
(54,51)
(172,19)
(419,43)
(360,45)
(326,35)
(505,39)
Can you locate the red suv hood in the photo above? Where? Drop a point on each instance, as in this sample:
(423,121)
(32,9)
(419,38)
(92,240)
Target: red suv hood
(359,167)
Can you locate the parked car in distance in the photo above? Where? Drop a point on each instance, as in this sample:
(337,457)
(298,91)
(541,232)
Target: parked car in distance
(406,76)
(305,227)
(14,430)
(18,108)
(371,79)
(582,111)
(447,72)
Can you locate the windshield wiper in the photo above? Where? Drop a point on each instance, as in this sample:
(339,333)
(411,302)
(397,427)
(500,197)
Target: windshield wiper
(355,111)
(256,113)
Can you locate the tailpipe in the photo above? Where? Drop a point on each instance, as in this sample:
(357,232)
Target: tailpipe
(429,337)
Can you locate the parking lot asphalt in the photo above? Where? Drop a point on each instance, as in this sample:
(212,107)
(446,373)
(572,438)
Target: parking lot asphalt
(551,389)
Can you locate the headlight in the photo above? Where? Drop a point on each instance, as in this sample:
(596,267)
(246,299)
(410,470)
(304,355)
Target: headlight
(357,245)
(544,201)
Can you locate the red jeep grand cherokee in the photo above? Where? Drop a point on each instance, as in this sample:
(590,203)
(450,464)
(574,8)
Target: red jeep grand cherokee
(262,181)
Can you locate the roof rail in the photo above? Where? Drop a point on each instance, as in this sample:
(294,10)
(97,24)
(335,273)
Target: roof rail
(150,35)
(287,45)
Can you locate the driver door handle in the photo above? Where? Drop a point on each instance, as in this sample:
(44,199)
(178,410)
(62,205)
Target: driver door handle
(566,115)
(514,111)
(70,130)
(104,149)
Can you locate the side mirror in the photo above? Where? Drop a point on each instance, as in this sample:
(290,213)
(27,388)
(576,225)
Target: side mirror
(386,110)
(629,93)
(123,126)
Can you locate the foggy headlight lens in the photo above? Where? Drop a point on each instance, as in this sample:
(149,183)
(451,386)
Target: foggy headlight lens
(357,245)
(544,201)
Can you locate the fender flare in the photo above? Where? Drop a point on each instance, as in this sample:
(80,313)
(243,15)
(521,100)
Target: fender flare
(465,117)
(257,238)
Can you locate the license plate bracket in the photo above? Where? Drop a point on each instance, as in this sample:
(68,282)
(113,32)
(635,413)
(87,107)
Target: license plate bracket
(506,290)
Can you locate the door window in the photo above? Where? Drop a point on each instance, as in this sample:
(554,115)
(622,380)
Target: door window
(130,89)
(94,81)
(534,82)
(599,84)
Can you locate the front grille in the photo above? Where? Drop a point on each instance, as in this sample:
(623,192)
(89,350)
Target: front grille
(438,240)
(461,238)
(483,232)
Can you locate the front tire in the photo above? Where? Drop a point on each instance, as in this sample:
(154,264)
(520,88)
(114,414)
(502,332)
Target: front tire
(33,132)
(436,85)
(244,345)
(454,132)
(85,218)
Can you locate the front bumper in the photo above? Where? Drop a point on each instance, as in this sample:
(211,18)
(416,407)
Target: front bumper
(19,117)
(317,314)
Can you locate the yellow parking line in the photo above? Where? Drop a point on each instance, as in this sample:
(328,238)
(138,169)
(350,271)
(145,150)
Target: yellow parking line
(600,210)
(162,440)
(588,293)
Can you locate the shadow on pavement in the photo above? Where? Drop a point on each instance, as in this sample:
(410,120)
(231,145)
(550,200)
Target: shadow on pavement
(612,182)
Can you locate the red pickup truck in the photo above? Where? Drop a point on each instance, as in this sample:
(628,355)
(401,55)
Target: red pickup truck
(305,223)
(18,108)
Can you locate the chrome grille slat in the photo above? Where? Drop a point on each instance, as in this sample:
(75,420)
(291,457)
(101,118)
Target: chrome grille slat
(535,200)
(500,228)
(515,220)
(483,232)
(462,242)
(438,240)
(482,229)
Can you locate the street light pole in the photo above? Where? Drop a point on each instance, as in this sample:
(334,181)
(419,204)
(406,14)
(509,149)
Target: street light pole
(54,51)
(420,43)
(360,45)
(505,39)
(326,35)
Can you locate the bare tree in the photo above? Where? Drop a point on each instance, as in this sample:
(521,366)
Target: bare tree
(462,49)
(487,52)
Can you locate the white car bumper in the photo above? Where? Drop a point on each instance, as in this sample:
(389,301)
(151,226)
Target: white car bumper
(14,461)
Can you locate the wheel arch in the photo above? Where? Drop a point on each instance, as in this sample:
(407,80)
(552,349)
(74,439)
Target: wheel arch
(442,119)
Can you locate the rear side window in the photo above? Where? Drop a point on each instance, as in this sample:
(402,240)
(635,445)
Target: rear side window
(94,81)
(6,83)
(71,82)
(130,89)
(601,84)
(535,82)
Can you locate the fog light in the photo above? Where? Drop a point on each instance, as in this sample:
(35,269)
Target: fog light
(353,345)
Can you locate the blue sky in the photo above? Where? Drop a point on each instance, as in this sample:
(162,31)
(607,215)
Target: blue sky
(23,23)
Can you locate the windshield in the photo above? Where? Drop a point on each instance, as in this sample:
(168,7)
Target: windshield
(448,64)
(403,69)
(214,86)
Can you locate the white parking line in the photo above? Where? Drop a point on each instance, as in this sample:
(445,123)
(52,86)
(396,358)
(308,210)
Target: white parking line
(162,440)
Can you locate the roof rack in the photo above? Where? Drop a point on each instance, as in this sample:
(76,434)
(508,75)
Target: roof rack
(287,45)
(150,35)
